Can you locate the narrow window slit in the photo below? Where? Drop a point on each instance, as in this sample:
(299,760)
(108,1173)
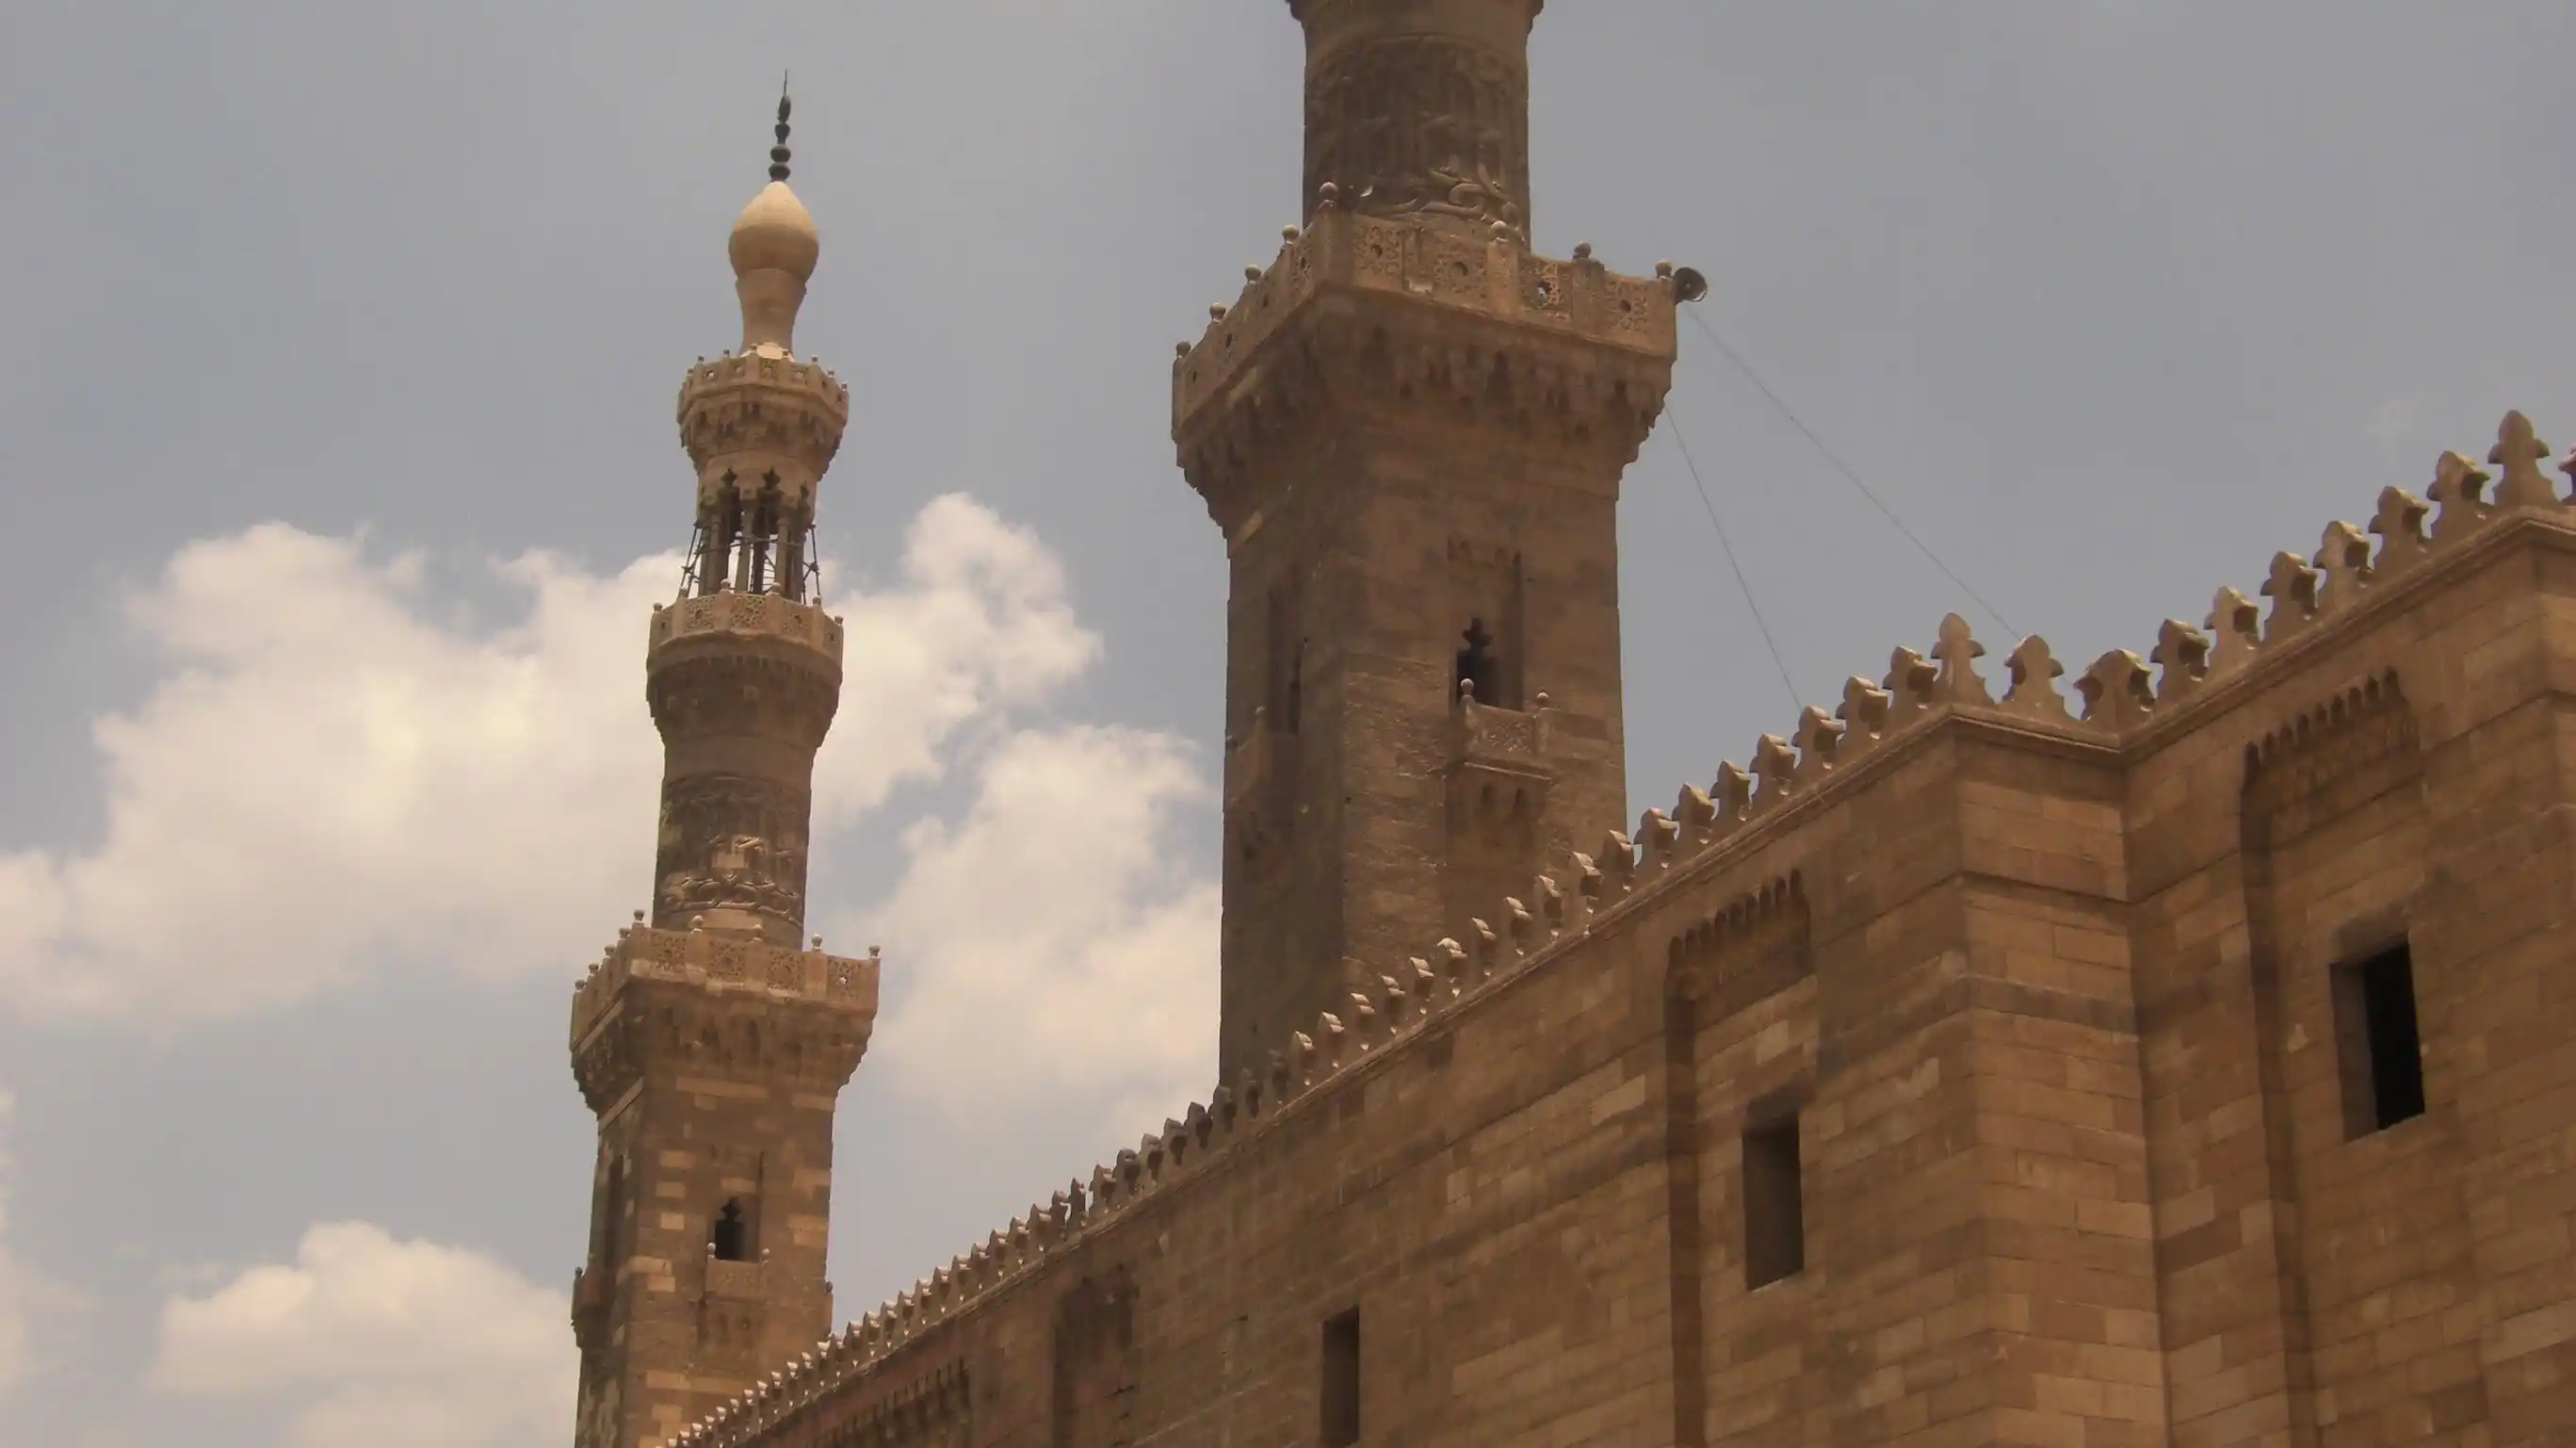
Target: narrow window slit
(1775,1231)
(1341,1380)
(2379,1046)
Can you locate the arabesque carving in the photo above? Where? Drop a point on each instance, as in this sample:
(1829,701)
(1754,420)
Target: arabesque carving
(748,403)
(748,615)
(1422,126)
(1343,250)
(698,694)
(730,841)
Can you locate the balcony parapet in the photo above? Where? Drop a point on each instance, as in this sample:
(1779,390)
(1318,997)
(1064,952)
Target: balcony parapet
(722,964)
(746,616)
(1496,277)
(751,404)
(1513,740)
(739,1281)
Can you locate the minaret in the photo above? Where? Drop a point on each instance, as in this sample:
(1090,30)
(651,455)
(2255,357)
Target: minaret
(1412,429)
(712,1042)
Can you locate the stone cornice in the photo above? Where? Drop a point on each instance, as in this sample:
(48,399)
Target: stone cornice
(722,966)
(749,404)
(1497,279)
(1364,320)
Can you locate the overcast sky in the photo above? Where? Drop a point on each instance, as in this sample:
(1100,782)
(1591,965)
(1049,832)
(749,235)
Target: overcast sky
(337,352)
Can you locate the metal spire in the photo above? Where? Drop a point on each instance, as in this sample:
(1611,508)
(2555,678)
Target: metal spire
(778,153)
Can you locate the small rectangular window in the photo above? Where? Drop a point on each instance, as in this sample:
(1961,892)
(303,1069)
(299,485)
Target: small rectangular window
(1341,1386)
(1775,1228)
(2379,1051)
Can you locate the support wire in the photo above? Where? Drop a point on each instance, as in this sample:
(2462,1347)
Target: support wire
(1843,468)
(1724,543)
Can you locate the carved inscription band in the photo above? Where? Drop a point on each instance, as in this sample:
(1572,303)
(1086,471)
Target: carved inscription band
(732,842)
(1423,126)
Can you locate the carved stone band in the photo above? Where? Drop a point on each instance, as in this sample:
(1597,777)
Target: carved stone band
(1423,126)
(762,614)
(1505,281)
(733,843)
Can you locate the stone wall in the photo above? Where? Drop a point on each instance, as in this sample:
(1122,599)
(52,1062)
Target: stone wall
(2048,1027)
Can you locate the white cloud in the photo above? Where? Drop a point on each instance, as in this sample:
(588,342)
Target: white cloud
(1053,941)
(332,773)
(15,1288)
(364,1338)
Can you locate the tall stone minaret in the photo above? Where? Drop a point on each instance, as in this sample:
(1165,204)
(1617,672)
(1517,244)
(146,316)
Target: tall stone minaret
(711,1042)
(1412,429)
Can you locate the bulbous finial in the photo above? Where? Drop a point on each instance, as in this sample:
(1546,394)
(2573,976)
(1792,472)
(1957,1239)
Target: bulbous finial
(774,247)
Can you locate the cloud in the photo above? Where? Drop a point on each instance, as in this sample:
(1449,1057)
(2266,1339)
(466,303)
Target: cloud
(365,1338)
(333,774)
(15,1288)
(1051,941)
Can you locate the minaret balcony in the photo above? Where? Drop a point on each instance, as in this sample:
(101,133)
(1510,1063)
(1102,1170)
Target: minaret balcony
(723,965)
(728,617)
(753,404)
(1500,777)
(1511,741)
(739,1281)
(1495,278)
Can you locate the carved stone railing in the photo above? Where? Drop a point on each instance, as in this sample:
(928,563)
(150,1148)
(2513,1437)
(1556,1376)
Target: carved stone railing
(740,1281)
(1495,277)
(751,404)
(747,615)
(723,962)
(1511,739)
(750,369)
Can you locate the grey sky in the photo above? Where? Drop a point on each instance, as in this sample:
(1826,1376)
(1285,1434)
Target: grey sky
(2109,300)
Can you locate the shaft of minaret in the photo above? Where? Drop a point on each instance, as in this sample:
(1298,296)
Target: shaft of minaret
(744,673)
(1420,108)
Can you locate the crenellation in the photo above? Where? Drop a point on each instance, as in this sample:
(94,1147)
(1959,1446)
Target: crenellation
(2182,660)
(2398,523)
(1955,655)
(1732,797)
(2458,493)
(2344,566)
(2116,692)
(2034,672)
(2520,454)
(1819,735)
(2292,587)
(1775,770)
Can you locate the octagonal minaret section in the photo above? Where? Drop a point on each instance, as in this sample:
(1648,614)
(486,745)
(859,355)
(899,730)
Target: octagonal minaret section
(713,1037)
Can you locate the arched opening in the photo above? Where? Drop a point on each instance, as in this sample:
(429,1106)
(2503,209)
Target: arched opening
(1480,669)
(731,1240)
